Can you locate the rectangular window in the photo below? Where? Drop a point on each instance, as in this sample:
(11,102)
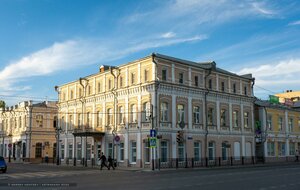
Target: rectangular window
(72,94)
(133,118)
(70,151)
(109,149)
(234,88)
(79,151)
(196,81)
(164,151)
(79,120)
(39,120)
(164,111)
(224,151)
(210,116)
(271,149)
(71,122)
(211,150)
(121,153)
(281,149)
(210,84)
(147,151)
(180,152)
(197,151)
(109,84)
(181,78)
(269,122)
(235,119)
(132,78)
(223,86)
(121,115)
(196,114)
(133,151)
(291,127)
(99,87)
(223,117)
(164,74)
(88,151)
(180,113)
(245,90)
(146,75)
(99,119)
(121,81)
(292,149)
(280,124)
(62,149)
(246,119)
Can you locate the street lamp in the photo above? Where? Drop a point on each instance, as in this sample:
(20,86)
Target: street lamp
(57,132)
(9,148)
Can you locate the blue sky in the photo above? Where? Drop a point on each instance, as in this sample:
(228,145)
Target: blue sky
(44,43)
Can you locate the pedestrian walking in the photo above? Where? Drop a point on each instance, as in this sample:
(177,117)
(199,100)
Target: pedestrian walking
(110,163)
(297,156)
(103,161)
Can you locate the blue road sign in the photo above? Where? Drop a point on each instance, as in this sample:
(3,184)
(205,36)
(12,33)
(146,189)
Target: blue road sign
(152,141)
(152,133)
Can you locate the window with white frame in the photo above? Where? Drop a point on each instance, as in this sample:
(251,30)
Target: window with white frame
(235,119)
(292,148)
(109,84)
(223,86)
(196,114)
(133,151)
(180,151)
(164,111)
(132,78)
(223,117)
(210,84)
(245,90)
(291,126)
(146,151)
(89,90)
(80,92)
(164,151)
(88,151)
(62,151)
(280,123)
(196,81)
(146,112)
(109,116)
(121,81)
(234,88)
(121,115)
(146,73)
(89,119)
(133,114)
(271,148)
(121,152)
(269,122)
(281,149)
(210,119)
(180,113)
(197,151)
(79,120)
(39,120)
(71,94)
(99,87)
(246,119)
(211,150)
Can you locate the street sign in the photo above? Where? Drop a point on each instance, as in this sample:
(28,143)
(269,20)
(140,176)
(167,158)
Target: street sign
(152,133)
(9,146)
(152,142)
(117,138)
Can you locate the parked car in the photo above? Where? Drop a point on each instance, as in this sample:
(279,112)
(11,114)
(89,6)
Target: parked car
(3,166)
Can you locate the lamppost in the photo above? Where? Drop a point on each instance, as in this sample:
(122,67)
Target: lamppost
(9,147)
(57,132)
(182,125)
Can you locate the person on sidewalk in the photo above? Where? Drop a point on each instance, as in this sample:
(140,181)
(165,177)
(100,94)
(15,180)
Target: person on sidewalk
(103,161)
(47,158)
(110,163)
(297,156)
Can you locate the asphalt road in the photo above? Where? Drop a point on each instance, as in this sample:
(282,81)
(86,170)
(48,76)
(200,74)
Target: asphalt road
(252,178)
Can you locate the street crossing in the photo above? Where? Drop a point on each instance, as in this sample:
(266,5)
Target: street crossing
(47,174)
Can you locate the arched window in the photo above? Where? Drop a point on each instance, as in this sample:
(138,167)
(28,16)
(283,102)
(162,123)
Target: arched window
(109,116)
(146,112)
(164,107)
(180,113)
(196,114)
(224,151)
(211,150)
(133,113)
(121,114)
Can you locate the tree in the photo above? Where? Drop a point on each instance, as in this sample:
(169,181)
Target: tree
(2,104)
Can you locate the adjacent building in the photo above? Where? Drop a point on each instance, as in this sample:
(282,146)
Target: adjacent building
(278,131)
(27,132)
(113,110)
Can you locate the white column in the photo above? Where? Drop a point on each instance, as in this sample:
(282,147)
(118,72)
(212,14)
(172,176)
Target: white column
(266,148)
(153,71)
(173,73)
(73,148)
(138,142)
(217,82)
(139,74)
(126,136)
(190,77)
(229,84)
(230,116)
(287,130)
(126,77)
(287,145)
(242,118)
(190,113)
(241,87)
(66,147)
(218,115)
(174,111)
(203,114)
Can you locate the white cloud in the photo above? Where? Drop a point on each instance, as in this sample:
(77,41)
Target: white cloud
(294,23)
(75,53)
(168,35)
(260,7)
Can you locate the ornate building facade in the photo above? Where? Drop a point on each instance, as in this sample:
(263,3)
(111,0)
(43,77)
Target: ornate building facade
(113,111)
(27,132)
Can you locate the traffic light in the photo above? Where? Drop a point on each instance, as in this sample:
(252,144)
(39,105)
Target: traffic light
(179,136)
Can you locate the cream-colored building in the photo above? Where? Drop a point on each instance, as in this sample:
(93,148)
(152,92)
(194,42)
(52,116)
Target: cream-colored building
(27,132)
(280,127)
(157,92)
(294,96)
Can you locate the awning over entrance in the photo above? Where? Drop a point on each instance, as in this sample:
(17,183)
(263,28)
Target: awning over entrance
(91,132)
